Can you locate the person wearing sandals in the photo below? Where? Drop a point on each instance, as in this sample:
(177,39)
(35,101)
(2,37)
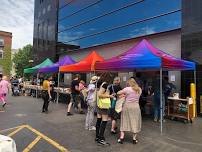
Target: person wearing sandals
(114,88)
(91,103)
(102,114)
(131,119)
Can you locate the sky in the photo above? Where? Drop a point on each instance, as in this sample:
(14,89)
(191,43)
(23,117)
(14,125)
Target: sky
(17,16)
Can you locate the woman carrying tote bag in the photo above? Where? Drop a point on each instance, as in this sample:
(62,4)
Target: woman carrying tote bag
(103,105)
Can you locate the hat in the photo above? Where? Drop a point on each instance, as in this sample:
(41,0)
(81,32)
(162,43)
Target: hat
(93,79)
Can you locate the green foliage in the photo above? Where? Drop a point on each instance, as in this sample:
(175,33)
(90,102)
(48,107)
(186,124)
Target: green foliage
(6,61)
(21,59)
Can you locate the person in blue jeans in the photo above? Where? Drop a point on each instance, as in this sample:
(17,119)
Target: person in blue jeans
(156,99)
(157,105)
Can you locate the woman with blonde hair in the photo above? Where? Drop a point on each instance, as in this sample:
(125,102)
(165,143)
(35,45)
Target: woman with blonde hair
(131,120)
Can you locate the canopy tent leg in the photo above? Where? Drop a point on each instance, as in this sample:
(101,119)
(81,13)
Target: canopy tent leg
(58,87)
(161,99)
(37,78)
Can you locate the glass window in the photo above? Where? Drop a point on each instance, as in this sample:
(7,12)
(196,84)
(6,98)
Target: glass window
(41,1)
(40,35)
(39,14)
(1,42)
(38,28)
(103,23)
(63,3)
(43,33)
(44,10)
(86,36)
(49,8)
(47,26)
(1,54)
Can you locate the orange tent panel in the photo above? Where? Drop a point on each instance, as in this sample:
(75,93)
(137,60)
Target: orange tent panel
(85,65)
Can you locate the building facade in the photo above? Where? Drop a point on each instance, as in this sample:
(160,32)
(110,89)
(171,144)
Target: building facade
(5,52)
(45,30)
(192,42)
(90,23)
(83,26)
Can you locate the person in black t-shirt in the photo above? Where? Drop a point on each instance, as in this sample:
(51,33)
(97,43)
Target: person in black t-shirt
(114,88)
(75,96)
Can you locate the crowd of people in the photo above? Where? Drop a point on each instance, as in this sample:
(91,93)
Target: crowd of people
(109,101)
(15,84)
(105,99)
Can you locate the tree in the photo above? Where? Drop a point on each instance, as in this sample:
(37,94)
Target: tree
(21,59)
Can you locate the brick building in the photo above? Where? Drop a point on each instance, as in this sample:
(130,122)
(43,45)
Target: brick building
(5,52)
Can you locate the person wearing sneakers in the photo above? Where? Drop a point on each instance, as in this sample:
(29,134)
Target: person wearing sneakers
(131,119)
(91,103)
(102,114)
(4,90)
(75,96)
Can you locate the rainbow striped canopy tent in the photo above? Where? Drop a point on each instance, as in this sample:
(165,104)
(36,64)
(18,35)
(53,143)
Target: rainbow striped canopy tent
(144,56)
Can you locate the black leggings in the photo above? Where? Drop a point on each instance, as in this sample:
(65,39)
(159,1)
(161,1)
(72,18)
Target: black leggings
(46,101)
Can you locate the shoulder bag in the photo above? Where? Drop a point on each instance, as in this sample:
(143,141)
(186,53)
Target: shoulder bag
(104,103)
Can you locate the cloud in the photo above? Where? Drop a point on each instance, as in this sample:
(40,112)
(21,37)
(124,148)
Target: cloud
(17,16)
(142,31)
(67,37)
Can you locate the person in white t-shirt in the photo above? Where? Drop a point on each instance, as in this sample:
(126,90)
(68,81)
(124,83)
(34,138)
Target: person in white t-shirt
(91,104)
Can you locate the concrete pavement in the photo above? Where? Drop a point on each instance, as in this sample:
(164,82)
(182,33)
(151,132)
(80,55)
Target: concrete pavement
(69,132)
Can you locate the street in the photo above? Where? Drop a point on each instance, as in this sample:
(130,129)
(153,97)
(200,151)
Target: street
(38,132)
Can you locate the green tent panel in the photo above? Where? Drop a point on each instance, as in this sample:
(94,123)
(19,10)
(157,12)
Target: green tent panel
(45,63)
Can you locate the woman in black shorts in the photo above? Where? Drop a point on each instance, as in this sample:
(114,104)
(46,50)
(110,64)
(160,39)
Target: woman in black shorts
(102,114)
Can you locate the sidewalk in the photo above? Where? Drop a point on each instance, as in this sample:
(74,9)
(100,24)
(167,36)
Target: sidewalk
(70,133)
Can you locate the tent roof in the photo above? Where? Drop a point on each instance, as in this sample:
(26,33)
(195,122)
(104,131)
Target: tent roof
(85,65)
(144,56)
(46,62)
(66,60)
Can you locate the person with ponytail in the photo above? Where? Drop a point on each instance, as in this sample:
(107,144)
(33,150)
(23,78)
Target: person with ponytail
(131,119)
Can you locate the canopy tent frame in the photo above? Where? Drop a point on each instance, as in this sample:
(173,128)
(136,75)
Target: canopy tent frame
(57,100)
(145,56)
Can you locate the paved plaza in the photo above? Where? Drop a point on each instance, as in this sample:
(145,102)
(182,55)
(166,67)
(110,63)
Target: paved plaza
(52,132)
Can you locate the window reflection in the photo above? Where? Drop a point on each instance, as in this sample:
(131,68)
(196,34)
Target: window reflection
(81,28)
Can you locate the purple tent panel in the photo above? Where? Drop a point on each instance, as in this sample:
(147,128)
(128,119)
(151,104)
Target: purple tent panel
(66,60)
